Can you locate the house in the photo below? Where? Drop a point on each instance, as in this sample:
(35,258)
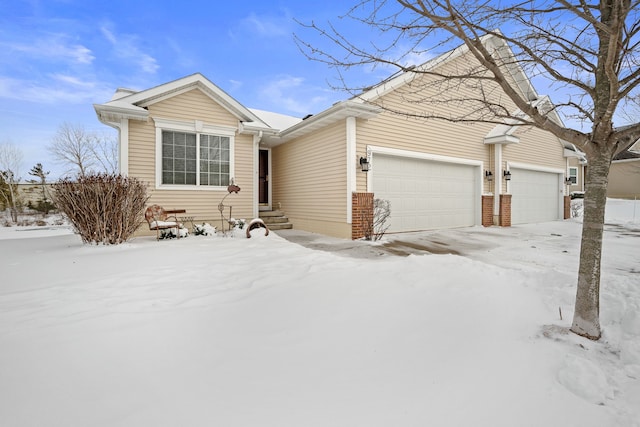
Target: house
(624,175)
(189,139)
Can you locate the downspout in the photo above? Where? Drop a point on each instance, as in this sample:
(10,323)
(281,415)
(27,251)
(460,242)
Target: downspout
(351,161)
(123,146)
(256,179)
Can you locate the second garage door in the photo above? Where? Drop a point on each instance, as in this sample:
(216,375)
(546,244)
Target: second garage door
(426,194)
(535,196)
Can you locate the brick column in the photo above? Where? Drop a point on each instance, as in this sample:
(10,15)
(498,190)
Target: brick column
(505,210)
(487,211)
(361,214)
(567,207)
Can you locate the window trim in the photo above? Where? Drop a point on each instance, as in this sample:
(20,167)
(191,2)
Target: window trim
(574,176)
(198,127)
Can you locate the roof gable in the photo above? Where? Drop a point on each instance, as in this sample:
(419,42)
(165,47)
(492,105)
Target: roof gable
(132,105)
(500,48)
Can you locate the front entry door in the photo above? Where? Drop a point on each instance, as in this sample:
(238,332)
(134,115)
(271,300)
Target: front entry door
(263,177)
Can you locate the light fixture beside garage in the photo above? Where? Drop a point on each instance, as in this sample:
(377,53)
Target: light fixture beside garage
(364,164)
(507,175)
(488,175)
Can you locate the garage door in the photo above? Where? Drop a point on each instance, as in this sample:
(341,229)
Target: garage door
(535,196)
(424,194)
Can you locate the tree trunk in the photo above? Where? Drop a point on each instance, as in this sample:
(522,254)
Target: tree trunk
(586,318)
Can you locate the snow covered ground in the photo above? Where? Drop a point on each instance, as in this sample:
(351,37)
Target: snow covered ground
(228,331)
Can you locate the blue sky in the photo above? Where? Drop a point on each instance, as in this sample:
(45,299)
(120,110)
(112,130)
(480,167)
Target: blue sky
(59,57)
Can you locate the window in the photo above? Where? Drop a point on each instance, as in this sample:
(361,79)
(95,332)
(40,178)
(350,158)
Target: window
(573,175)
(195,159)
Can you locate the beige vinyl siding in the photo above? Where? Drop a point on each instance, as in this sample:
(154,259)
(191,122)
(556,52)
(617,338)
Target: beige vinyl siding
(537,147)
(428,95)
(309,181)
(193,105)
(202,203)
(624,179)
(575,163)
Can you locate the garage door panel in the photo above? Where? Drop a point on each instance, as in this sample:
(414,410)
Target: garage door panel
(535,196)
(426,194)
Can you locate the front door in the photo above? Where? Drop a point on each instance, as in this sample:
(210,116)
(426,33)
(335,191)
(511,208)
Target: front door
(263,177)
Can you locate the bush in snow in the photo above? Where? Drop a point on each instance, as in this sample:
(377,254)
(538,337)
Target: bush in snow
(205,229)
(103,208)
(376,226)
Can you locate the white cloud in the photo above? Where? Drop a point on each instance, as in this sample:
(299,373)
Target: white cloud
(56,46)
(290,94)
(66,89)
(267,26)
(125,47)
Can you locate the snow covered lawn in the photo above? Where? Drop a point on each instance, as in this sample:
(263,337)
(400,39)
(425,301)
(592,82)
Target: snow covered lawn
(215,331)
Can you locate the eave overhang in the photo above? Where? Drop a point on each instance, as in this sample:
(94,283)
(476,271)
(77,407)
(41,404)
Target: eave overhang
(338,112)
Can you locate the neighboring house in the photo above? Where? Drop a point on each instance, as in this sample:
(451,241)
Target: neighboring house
(188,140)
(624,175)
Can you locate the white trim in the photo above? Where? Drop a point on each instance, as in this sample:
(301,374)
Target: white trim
(123,147)
(256,175)
(351,165)
(196,126)
(375,149)
(538,168)
(637,159)
(497,161)
(191,126)
(577,175)
(372,150)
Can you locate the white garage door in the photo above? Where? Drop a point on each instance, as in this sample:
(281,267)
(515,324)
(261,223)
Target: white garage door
(425,194)
(535,196)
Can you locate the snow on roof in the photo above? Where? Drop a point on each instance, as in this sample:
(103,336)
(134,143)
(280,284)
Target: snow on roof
(276,120)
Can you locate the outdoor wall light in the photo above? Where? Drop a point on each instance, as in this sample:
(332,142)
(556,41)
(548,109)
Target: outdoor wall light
(364,164)
(507,175)
(488,175)
(568,181)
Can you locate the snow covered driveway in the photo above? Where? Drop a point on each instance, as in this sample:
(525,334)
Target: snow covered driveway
(262,331)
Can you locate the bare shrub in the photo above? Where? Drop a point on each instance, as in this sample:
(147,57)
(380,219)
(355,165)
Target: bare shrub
(103,208)
(376,226)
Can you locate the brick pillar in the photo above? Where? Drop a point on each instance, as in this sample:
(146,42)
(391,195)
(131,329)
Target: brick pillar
(361,214)
(487,211)
(505,210)
(567,207)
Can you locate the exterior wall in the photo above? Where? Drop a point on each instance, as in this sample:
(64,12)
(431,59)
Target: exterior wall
(624,179)
(202,202)
(439,137)
(573,162)
(309,181)
(536,147)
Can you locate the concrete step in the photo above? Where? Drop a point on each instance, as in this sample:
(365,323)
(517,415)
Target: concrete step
(276,220)
(265,214)
(280,226)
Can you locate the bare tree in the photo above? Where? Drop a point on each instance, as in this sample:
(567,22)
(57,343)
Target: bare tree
(105,151)
(10,163)
(82,151)
(588,52)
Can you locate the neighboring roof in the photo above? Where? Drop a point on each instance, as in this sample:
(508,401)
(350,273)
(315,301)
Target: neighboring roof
(628,153)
